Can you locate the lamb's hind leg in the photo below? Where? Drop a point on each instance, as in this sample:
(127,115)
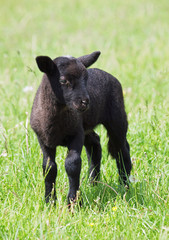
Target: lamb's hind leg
(49,172)
(120,150)
(94,152)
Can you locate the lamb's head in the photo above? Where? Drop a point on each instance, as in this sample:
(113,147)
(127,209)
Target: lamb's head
(68,78)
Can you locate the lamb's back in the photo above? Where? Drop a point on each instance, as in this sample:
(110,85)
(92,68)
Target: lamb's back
(105,92)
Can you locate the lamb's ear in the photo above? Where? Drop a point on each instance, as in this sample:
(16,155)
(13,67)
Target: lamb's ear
(88,60)
(45,64)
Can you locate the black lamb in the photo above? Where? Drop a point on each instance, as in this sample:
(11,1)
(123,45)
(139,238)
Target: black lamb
(70,102)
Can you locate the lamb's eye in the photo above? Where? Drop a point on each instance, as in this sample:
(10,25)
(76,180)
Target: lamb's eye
(65,82)
(62,80)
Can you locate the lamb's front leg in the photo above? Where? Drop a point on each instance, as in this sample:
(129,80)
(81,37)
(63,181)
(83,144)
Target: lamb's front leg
(73,165)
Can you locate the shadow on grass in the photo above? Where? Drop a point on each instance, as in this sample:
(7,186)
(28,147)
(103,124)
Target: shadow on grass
(104,194)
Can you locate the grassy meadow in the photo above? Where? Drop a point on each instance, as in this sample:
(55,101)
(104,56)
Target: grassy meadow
(133,37)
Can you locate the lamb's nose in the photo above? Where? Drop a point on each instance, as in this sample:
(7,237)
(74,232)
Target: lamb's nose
(85,101)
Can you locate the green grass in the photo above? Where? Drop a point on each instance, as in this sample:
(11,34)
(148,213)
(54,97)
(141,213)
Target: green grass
(133,37)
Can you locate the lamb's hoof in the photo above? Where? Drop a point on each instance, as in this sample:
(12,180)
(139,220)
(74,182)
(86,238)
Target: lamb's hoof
(125,182)
(51,201)
(75,202)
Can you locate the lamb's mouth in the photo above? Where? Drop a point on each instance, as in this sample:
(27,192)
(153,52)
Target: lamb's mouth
(81,108)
